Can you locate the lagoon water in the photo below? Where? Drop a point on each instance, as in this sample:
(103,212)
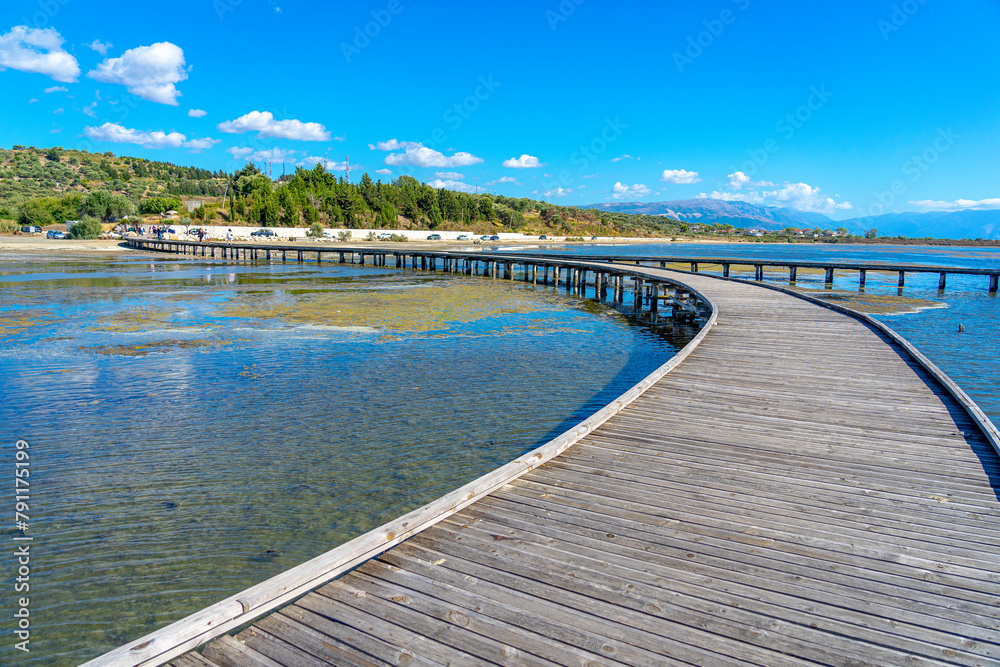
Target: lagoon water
(196,427)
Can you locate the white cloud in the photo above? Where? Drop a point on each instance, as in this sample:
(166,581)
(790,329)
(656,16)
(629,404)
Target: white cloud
(958,205)
(629,191)
(57,89)
(118,134)
(504,179)
(623,157)
(450,175)
(798,196)
(32,100)
(88,109)
(558,192)
(55,130)
(203,144)
(196,113)
(58,111)
(384,172)
(149,72)
(452,185)
(524,162)
(679,176)
(417,155)
(38,51)
(100,46)
(239,153)
(267,155)
(264,124)
(738,180)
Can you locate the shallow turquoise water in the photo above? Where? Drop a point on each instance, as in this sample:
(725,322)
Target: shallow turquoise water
(239,443)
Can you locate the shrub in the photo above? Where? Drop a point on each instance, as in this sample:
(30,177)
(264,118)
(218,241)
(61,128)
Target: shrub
(316,229)
(8,226)
(344,235)
(372,236)
(87,229)
(400,238)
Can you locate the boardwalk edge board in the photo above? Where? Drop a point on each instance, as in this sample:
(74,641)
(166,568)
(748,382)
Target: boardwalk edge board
(242,608)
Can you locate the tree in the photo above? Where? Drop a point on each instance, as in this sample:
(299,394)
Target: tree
(871,234)
(34,212)
(104,205)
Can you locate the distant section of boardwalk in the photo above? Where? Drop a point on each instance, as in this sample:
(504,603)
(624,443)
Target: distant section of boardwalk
(799,491)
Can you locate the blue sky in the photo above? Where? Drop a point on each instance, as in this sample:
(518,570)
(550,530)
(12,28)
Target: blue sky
(849,109)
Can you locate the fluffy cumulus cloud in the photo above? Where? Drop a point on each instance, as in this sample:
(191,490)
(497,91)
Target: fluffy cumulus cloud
(264,124)
(196,113)
(450,175)
(958,205)
(739,180)
(149,72)
(38,51)
(416,154)
(268,155)
(798,196)
(636,191)
(504,179)
(558,192)
(90,109)
(524,162)
(100,47)
(118,134)
(384,172)
(679,176)
(57,89)
(452,185)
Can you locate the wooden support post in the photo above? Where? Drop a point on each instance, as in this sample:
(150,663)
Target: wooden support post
(267,254)
(758,272)
(604,287)
(942,280)
(994,279)
(829,276)
(902,278)
(654,300)
(863,277)
(793,274)
(694,267)
(725,270)
(300,255)
(638,294)
(534,274)
(663,265)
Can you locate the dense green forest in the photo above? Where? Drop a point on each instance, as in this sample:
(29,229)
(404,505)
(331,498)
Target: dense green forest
(50,185)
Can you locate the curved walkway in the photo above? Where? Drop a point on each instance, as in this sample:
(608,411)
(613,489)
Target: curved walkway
(798,491)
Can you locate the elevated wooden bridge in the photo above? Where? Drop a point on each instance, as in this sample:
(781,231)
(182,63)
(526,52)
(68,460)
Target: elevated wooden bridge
(799,486)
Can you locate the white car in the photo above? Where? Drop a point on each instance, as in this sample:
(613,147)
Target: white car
(463,237)
(384,236)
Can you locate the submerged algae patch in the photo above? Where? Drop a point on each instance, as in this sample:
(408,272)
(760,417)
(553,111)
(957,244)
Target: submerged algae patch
(426,307)
(144,349)
(14,322)
(875,304)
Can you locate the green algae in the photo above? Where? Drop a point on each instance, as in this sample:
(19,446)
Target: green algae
(145,349)
(875,304)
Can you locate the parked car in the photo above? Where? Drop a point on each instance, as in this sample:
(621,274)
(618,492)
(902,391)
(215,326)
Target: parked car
(329,235)
(55,235)
(543,237)
(434,237)
(463,237)
(384,236)
(264,233)
(31,229)
(484,237)
(494,238)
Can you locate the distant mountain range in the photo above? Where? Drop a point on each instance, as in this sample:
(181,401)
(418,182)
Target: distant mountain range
(948,225)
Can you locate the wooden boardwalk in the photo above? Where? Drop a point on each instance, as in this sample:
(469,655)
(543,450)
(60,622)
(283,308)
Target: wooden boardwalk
(799,491)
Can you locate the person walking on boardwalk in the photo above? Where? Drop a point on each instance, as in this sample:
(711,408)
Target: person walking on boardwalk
(229,234)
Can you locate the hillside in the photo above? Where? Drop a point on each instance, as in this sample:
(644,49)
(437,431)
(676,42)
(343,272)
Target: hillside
(712,211)
(46,186)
